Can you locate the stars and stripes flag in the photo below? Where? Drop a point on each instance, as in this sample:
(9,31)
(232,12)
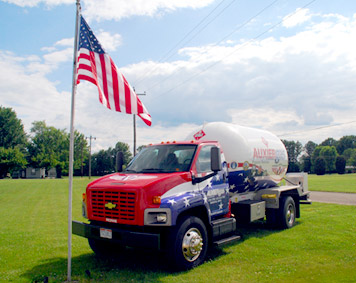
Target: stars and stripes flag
(96,66)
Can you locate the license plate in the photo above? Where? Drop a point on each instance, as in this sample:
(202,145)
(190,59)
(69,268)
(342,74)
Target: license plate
(106,233)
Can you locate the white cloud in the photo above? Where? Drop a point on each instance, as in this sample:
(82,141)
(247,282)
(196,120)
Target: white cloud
(65,42)
(298,17)
(119,9)
(269,118)
(32,95)
(109,41)
(56,57)
(297,82)
(110,127)
(34,3)
(35,98)
(286,85)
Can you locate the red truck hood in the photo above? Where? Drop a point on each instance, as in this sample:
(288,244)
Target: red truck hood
(142,188)
(157,184)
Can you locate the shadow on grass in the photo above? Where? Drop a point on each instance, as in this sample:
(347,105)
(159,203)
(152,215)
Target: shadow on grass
(129,265)
(258,229)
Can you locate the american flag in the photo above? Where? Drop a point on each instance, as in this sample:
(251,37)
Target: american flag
(97,67)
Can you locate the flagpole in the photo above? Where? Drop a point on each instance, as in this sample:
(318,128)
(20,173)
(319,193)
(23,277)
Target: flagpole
(71,143)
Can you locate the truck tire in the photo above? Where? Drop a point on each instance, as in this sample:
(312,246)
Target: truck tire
(189,243)
(287,213)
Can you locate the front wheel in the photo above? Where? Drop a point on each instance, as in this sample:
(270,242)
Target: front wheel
(189,243)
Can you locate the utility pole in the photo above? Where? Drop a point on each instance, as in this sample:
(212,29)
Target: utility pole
(81,159)
(134,127)
(90,138)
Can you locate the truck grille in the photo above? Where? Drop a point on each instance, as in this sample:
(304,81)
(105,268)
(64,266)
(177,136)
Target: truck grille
(114,205)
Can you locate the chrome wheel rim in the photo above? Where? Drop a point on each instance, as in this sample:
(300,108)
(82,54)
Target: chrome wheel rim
(192,244)
(290,214)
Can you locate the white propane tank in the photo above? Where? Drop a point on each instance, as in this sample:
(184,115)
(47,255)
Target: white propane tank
(255,158)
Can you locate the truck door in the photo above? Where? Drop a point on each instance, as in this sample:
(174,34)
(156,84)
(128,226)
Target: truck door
(215,190)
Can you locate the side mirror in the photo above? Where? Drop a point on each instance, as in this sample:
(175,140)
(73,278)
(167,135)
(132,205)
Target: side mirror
(215,159)
(215,165)
(119,161)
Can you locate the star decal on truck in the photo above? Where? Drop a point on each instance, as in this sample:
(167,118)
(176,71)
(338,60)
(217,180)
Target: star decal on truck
(172,202)
(186,202)
(205,198)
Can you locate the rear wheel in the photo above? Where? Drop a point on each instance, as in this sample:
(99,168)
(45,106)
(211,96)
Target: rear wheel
(189,243)
(287,212)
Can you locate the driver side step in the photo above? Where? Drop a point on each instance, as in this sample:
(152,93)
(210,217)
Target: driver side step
(224,230)
(225,241)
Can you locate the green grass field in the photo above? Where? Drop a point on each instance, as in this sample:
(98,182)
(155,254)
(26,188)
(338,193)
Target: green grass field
(333,183)
(33,237)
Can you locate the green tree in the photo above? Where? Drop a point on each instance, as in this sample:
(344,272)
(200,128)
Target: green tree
(306,159)
(320,166)
(329,142)
(49,147)
(315,155)
(12,132)
(329,154)
(141,147)
(346,142)
(12,142)
(351,161)
(11,159)
(81,154)
(104,161)
(348,153)
(340,165)
(309,148)
(306,163)
(294,149)
(125,148)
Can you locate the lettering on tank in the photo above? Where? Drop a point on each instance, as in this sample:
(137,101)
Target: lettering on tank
(264,153)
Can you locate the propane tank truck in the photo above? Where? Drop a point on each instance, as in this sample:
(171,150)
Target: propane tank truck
(182,197)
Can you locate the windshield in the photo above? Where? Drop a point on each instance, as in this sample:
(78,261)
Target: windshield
(163,158)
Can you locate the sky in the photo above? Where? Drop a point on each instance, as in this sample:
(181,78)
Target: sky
(288,67)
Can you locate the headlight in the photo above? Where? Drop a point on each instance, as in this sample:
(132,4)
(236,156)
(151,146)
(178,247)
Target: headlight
(158,217)
(162,217)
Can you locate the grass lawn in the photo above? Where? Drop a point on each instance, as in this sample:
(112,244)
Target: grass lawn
(33,237)
(345,183)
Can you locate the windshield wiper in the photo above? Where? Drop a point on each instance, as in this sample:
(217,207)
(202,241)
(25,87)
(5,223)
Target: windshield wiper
(129,170)
(155,170)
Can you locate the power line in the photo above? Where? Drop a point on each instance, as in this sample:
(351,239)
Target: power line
(315,129)
(234,51)
(166,57)
(221,40)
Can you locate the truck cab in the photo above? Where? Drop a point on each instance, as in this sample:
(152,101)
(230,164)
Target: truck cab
(173,196)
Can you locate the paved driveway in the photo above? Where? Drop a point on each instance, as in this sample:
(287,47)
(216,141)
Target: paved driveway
(329,197)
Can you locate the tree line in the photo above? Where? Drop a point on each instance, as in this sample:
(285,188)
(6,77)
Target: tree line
(330,156)
(48,147)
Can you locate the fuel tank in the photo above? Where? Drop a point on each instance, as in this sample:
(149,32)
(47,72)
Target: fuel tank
(255,158)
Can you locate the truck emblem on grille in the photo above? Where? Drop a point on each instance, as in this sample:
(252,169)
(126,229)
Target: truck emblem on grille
(110,205)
